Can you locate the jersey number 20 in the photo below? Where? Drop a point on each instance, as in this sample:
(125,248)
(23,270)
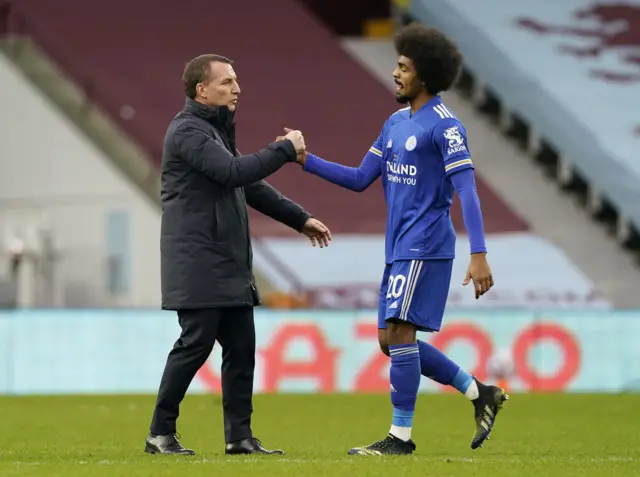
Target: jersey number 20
(396,286)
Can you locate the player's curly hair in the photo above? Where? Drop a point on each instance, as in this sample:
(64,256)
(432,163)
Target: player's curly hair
(436,58)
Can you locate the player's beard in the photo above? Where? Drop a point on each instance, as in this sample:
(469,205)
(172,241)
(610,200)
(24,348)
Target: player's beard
(403,98)
(408,95)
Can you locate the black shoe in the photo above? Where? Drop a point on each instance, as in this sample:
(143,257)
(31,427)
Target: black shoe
(390,445)
(168,444)
(487,405)
(250,445)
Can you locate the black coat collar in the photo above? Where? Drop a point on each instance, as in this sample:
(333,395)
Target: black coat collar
(220,116)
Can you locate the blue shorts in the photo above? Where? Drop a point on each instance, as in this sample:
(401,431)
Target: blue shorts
(415,291)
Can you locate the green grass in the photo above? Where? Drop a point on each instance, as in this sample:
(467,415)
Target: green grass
(535,435)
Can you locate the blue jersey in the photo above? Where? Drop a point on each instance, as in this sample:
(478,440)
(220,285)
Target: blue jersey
(418,154)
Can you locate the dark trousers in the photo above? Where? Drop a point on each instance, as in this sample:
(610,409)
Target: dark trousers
(234,329)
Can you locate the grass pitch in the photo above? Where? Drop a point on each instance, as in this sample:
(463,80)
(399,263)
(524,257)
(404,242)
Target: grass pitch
(548,435)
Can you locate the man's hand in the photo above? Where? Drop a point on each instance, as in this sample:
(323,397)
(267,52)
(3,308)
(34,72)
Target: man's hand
(302,155)
(480,273)
(297,139)
(317,232)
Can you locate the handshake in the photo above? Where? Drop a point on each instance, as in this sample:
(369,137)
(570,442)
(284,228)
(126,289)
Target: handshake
(297,139)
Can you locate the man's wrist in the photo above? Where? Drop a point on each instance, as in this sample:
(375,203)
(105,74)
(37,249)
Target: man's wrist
(288,147)
(304,218)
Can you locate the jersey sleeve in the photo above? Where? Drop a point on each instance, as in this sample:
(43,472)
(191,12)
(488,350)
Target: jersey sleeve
(450,138)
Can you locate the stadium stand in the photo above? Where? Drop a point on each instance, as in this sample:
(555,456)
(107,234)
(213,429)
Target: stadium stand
(562,78)
(128,89)
(363,17)
(553,217)
(134,78)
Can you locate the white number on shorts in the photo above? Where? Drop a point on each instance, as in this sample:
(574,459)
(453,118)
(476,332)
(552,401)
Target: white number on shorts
(396,286)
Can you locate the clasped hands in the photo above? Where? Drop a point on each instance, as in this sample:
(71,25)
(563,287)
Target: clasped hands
(297,139)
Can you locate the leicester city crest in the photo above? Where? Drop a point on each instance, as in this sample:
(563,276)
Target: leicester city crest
(411,143)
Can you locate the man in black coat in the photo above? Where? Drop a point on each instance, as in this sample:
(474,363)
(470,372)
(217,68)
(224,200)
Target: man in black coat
(206,252)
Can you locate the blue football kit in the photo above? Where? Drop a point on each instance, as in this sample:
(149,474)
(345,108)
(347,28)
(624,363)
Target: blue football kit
(420,158)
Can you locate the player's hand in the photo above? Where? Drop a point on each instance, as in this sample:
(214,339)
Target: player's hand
(297,139)
(480,272)
(301,158)
(317,232)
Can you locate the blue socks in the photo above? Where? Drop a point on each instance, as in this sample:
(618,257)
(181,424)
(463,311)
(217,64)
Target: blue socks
(408,363)
(405,381)
(461,381)
(437,366)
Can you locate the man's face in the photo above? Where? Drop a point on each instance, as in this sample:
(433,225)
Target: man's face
(222,88)
(408,86)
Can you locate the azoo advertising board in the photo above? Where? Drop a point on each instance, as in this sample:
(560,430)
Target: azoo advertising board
(318,352)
